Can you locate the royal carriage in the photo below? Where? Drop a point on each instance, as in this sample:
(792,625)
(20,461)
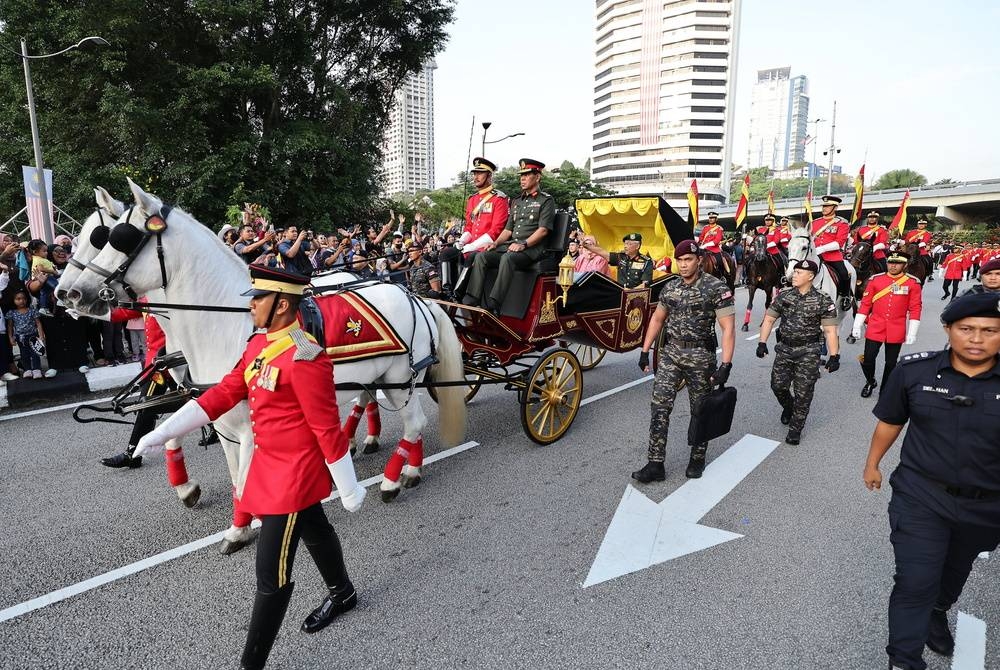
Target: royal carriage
(553,325)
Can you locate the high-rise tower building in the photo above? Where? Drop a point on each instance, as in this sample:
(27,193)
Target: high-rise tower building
(779,112)
(663,96)
(408,146)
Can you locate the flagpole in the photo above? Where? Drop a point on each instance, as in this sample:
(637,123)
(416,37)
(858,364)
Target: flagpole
(468,157)
(43,192)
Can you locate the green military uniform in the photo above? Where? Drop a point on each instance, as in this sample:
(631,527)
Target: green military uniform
(796,356)
(632,270)
(688,352)
(421,275)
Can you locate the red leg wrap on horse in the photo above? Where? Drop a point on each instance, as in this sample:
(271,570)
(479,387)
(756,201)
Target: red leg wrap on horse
(397,460)
(416,457)
(353,419)
(240,519)
(374,419)
(177,473)
(747,318)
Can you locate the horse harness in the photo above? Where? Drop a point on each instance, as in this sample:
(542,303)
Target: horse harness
(129,240)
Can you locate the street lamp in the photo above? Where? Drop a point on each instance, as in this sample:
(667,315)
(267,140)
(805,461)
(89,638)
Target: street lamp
(507,137)
(39,168)
(814,169)
(486,126)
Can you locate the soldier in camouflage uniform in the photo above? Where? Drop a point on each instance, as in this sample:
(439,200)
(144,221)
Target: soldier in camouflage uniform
(425,281)
(806,316)
(689,306)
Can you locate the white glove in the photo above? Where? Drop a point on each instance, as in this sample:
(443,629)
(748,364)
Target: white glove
(352,494)
(483,241)
(878,246)
(829,246)
(464,238)
(911,331)
(859,321)
(181,422)
(922,244)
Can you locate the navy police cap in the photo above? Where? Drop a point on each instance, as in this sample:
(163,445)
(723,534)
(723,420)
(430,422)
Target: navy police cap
(974,304)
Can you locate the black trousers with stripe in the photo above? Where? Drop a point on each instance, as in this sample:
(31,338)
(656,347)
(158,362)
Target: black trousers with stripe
(279,539)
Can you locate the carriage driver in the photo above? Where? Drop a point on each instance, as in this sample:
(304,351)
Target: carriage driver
(830,234)
(519,245)
(635,269)
(287,380)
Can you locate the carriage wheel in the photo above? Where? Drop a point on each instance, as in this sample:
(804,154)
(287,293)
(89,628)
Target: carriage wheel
(588,356)
(553,395)
(475,382)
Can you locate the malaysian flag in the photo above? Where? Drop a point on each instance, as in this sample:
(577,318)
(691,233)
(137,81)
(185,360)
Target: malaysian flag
(33,200)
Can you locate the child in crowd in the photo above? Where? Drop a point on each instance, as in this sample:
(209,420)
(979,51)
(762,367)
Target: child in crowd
(23,327)
(136,329)
(41,265)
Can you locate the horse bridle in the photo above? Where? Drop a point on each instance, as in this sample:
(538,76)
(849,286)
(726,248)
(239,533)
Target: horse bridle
(98,238)
(129,240)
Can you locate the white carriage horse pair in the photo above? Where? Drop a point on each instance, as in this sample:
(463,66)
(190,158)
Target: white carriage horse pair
(191,266)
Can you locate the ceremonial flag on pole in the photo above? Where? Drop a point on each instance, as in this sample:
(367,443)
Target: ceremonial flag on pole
(741,208)
(693,204)
(33,200)
(809,206)
(770,201)
(859,192)
(899,221)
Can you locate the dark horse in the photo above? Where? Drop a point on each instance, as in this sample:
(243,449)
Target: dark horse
(727,272)
(762,273)
(918,266)
(862,259)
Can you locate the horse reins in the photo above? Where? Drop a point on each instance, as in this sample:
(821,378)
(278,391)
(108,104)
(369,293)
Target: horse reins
(131,241)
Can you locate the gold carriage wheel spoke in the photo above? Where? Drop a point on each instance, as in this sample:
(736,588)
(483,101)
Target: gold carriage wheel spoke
(552,421)
(539,418)
(569,382)
(564,365)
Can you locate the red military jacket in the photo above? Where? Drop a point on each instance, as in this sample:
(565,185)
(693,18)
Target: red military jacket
(711,237)
(831,230)
(784,236)
(486,213)
(774,243)
(887,302)
(921,238)
(293,414)
(954,265)
(877,235)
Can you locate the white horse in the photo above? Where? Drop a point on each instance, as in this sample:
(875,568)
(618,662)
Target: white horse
(106,215)
(801,247)
(196,268)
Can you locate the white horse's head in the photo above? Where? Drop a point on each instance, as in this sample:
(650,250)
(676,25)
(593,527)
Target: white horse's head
(800,246)
(91,239)
(129,265)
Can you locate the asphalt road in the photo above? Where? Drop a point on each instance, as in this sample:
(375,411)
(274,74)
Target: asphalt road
(482,566)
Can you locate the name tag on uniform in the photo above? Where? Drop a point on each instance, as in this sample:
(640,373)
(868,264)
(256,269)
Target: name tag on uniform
(268,378)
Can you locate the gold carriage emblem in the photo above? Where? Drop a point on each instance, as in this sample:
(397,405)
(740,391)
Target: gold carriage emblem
(354,326)
(634,319)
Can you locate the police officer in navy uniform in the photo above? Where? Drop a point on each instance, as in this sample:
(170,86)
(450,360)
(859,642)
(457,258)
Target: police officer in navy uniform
(945,506)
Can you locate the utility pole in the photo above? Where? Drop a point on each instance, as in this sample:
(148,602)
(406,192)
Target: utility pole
(833,149)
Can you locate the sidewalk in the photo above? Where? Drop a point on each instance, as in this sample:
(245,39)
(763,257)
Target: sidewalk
(28,392)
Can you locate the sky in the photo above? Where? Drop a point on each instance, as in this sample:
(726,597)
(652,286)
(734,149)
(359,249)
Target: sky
(917,83)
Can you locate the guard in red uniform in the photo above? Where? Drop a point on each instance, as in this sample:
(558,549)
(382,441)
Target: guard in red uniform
(830,233)
(876,235)
(922,238)
(784,236)
(710,238)
(774,247)
(486,213)
(287,380)
(888,301)
(954,267)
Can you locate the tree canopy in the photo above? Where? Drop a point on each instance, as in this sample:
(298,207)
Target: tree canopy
(904,178)
(213,102)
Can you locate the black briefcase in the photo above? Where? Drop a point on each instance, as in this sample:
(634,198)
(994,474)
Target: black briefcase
(715,417)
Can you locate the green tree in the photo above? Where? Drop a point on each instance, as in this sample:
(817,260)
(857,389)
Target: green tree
(282,102)
(903,178)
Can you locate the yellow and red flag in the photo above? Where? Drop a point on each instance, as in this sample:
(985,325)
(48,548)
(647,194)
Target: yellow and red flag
(770,201)
(693,203)
(809,206)
(741,208)
(899,221)
(859,192)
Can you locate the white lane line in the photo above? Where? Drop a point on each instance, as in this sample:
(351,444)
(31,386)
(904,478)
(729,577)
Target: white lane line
(617,389)
(46,410)
(753,337)
(169,555)
(970,643)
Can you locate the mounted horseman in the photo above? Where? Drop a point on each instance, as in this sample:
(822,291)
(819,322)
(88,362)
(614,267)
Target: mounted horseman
(917,244)
(714,260)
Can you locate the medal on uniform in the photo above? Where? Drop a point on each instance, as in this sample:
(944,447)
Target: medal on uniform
(268,378)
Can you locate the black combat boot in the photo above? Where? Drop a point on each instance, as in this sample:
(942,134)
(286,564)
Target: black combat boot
(340,600)
(268,613)
(696,464)
(869,386)
(939,638)
(123,460)
(651,472)
(786,415)
(793,437)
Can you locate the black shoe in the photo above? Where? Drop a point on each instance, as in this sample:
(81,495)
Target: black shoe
(944,297)
(331,607)
(123,460)
(846,303)
(786,416)
(268,613)
(939,638)
(870,385)
(208,436)
(696,463)
(492,307)
(793,437)
(651,472)
(469,300)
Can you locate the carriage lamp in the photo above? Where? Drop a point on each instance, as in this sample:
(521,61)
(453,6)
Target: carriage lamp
(565,280)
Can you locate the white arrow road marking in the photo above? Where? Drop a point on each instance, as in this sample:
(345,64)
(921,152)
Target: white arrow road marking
(643,533)
(970,643)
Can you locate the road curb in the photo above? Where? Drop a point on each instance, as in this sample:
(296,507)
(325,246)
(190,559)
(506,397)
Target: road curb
(28,392)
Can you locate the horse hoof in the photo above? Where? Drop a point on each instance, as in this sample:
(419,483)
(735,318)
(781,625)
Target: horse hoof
(745,328)
(189,493)
(370,447)
(410,476)
(227,546)
(390,495)
(410,482)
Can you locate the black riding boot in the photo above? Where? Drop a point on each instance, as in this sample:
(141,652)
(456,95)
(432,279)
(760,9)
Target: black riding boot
(328,556)
(696,464)
(653,471)
(123,460)
(268,613)
(340,600)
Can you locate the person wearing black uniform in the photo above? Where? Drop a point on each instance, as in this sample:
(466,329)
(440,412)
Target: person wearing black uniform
(945,506)
(635,269)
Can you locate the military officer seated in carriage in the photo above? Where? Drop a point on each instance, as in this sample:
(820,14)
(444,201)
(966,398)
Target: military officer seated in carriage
(635,269)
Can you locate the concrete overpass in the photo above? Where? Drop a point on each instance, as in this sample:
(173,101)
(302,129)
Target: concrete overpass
(957,204)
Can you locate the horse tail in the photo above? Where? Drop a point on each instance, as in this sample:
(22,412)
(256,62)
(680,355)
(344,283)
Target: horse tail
(451,399)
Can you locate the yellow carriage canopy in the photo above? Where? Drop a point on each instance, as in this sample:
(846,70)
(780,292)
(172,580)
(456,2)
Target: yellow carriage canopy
(611,219)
